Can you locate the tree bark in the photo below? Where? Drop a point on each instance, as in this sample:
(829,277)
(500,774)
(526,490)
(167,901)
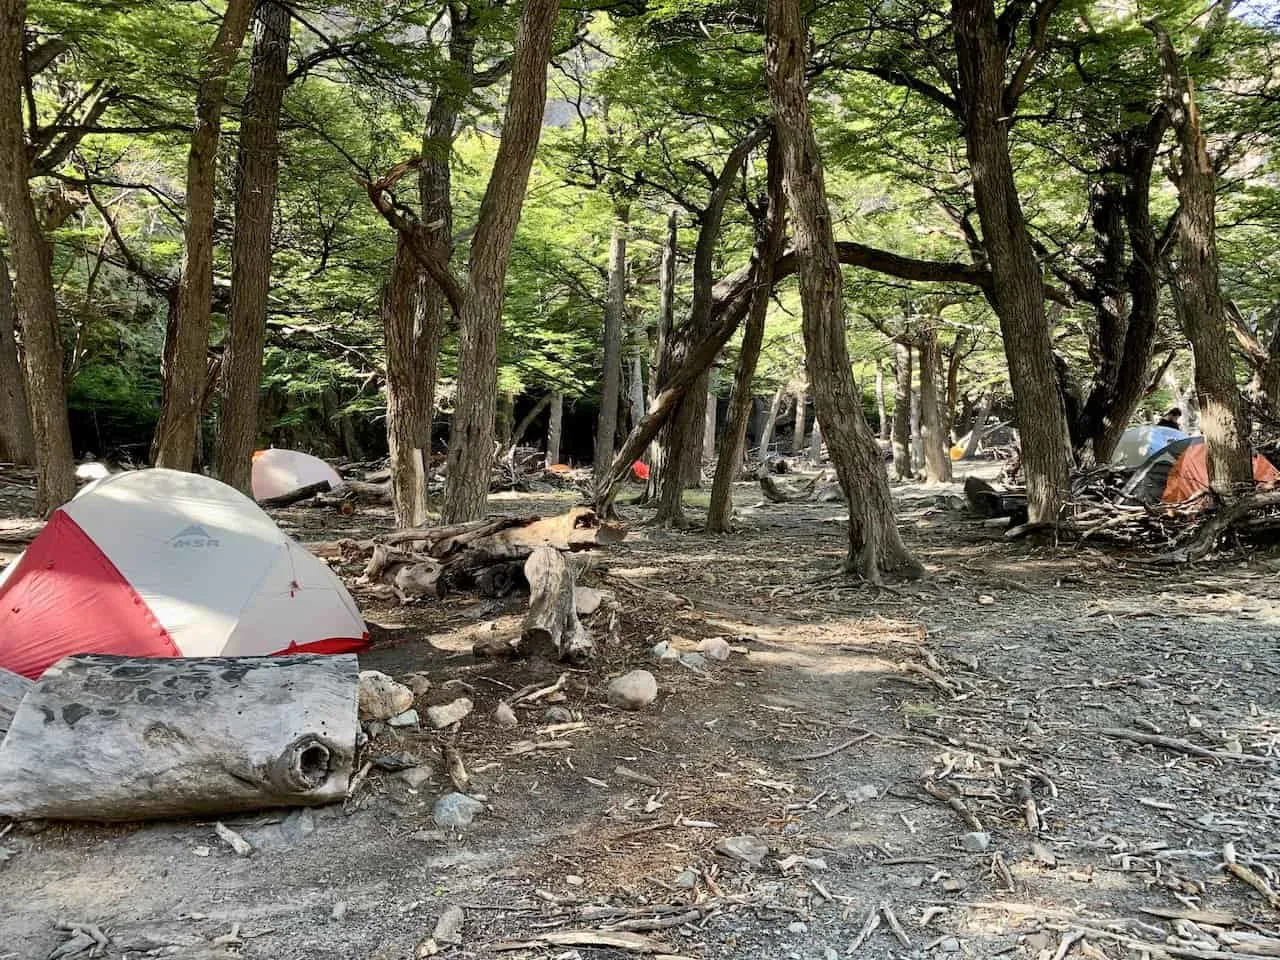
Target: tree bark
(797,437)
(32,264)
(661,365)
(771,422)
(709,416)
(471,440)
(979,427)
(1196,291)
(902,403)
(917,432)
(522,427)
(553,429)
(257,172)
(732,446)
(815,441)
(614,314)
(16,442)
(881,410)
(937,458)
(1017,284)
(186,347)
(875,547)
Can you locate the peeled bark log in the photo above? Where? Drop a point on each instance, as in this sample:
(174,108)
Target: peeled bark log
(902,400)
(552,621)
(16,442)
(295,496)
(127,738)
(12,689)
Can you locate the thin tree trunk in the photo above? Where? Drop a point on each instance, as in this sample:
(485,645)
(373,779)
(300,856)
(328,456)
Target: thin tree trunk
(902,403)
(917,432)
(186,345)
(637,393)
(661,363)
(797,438)
(937,458)
(815,441)
(257,172)
(471,440)
(614,313)
(1196,291)
(979,427)
(16,442)
(875,547)
(732,447)
(709,417)
(881,410)
(37,309)
(771,422)
(553,429)
(521,428)
(1017,284)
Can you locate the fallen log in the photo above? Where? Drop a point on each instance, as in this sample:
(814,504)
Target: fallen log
(296,496)
(776,492)
(128,738)
(552,621)
(12,689)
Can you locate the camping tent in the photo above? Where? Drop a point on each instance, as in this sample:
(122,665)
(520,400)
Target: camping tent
(1138,443)
(277,472)
(160,563)
(1180,472)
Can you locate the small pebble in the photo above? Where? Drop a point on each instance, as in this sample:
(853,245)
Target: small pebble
(415,777)
(633,690)
(976,842)
(949,945)
(407,719)
(747,849)
(557,715)
(830,953)
(504,716)
(694,661)
(447,714)
(687,879)
(797,927)
(714,648)
(456,810)
(339,910)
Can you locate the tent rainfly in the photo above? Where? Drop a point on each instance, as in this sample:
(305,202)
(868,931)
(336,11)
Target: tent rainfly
(1140,442)
(1179,472)
(278,472)
(161,563)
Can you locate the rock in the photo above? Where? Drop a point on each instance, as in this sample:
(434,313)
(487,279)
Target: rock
(298,825)
(949,945)
(953,885)
(394,762)
(407,719)
(862,793)
(830,953)
(694,661)
(504,716)
(419,683)
(449,926)
(1042,854)
(747,849)
(687,879)
(558,715)
(456,810)
(447,714)
(586,600)
(797,926)
(975,842)
(714,648)
(1021,711)
(665,651)
(380,697)
(339,910)
(633,690)
(415,777)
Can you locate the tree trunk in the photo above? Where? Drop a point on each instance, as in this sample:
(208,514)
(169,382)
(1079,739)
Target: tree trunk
(732,446)
(661,363)
(1017,284)
(709,416)
(37,308)
(471,440)
(552,622)
(917,432)
(614,314)
(815,441)
(257,171)
(875,547)
(521,428)
(881,410)
(771,422)
(1196,291)
(553,429)
(979,427)
(637,393)
(797,438)
(16,442)
(902,403)
(937,458)
(186,346)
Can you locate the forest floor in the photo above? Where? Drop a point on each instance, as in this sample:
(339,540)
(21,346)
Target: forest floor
(995,677)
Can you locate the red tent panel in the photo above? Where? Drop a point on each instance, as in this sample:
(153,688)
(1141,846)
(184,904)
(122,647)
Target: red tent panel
(1189,477)
(67,593)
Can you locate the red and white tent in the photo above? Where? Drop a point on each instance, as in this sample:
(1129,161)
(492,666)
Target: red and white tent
(277,472)
(160,563)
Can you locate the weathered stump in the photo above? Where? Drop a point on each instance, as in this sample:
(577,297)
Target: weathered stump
(552,620)
(128,738)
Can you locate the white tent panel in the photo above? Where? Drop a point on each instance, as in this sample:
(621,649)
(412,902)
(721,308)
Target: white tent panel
(1138,443)
(277,472)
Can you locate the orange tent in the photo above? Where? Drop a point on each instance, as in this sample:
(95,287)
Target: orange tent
(1189,476)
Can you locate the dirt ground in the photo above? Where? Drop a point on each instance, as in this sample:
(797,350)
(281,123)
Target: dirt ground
(990,683)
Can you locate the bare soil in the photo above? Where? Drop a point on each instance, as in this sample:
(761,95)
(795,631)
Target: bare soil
(992,680)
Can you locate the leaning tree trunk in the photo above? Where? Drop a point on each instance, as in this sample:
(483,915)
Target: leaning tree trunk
(1017,284)
(257,171)
(471,440)
(32,264)
(771,421)
(186,346)
(902,403)
(1196,290)
(16,442)
(875,547)
(732,446)
(881,412)
(554,422)
(937,458)
(614,315)
(979,427)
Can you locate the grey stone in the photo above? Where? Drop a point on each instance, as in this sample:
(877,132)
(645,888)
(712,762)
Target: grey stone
(415,777)
(394,762)
(694,661)
(419,683)
(747,849)
(586,600)
(557,715)
(298,825)
(449,926)
(830,953)
(380,697)
(456,810)
(975,842)
(797,926)
(862,793)
(339,910)
(504,716)
(407,719)
(633,690)
(664,651)
(949,945)
(447,714)
(688,879)
(714,648)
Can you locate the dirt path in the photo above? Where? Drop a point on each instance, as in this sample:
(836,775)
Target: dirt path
(993,680)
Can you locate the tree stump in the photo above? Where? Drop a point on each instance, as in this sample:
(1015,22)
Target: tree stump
(552,620)
(127,738)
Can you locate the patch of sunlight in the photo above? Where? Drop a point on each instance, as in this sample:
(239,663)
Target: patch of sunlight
(918,708)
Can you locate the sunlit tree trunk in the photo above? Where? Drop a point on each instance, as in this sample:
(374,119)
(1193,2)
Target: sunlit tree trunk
(937,458)
(553,429)
(709,416)
(614,315)
(16,443)
(902,403)
(258,165)
(979,427)
(771,421)
(797,438)
(881,409)
(661,363)
(875,546)
(186,347)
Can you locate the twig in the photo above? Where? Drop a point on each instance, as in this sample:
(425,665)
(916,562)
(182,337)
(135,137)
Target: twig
(832,750)
(1247,876)
(956,804)
(1176,744)
(895,926)
(1068,940)
(868,928)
